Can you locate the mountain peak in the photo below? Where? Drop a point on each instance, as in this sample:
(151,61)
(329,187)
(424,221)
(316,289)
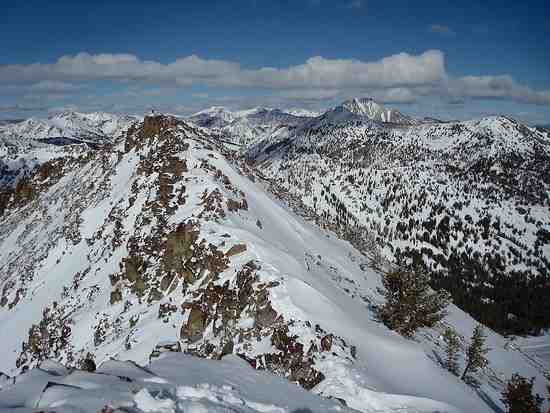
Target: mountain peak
(212,110)
(369,108)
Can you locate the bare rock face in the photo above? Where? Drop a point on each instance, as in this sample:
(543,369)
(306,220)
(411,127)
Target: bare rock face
(192,330)
(153,125)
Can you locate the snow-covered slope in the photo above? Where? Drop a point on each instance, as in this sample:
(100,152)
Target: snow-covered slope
(544,130)
(19,162)
(95,127)
(247,127)
(26,145)
(168,242)
(367,107)
(223,386)
(469,200)
(213,117)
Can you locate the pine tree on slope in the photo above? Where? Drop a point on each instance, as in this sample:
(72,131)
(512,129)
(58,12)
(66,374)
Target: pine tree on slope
(518,396)
(410,302)
(475,356)
(452,347)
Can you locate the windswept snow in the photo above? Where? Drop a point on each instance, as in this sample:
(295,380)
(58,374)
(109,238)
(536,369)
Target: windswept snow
(175,383)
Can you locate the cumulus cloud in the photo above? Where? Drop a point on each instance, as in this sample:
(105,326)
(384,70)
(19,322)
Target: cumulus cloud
(496,87)
(395,95)
(399,78)
(396,70)
(317,72)
(311,94)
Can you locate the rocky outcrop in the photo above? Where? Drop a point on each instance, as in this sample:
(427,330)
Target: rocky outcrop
(232,317)
(161,243)
(153,125)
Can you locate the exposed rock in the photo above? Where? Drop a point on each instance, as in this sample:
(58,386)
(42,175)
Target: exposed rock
(236,249)
(88,364)
(192,330)
(116,296)
(326,343)
(234,206)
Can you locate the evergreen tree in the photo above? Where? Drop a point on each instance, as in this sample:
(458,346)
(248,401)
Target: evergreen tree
(519,398)
(451,350)
(410,302)
(475,356)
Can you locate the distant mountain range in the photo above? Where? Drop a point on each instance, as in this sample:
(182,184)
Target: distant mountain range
(248,127)
(259,237)
(26,144)
(92,127)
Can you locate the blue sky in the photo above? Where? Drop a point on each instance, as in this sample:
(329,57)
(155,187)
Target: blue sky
(439,58)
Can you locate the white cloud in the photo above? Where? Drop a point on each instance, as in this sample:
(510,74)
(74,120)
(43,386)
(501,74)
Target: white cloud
(399,78)
(396,70)
(317,72)
(395,95)
(8,108)
(496,87)
(311,94)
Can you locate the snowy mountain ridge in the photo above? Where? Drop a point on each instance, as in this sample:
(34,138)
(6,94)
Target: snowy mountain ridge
(93,127)
(26,145)
(246,127)
(469,201)
(222,386)
(169,242)
(367,107)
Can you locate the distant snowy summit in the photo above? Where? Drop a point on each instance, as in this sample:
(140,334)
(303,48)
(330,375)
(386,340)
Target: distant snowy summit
(92,127)
(368,108)
(26,144)
(359,108)
(220,116)
(246,127)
